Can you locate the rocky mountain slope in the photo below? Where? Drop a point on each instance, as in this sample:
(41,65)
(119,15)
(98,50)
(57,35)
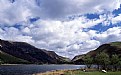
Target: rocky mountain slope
(110,49)
(28,53)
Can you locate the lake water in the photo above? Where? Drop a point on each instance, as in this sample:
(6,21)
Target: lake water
(33,69)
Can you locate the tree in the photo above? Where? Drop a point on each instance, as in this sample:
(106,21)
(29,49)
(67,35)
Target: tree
(102,59)
(119,64)
(0,61)
(114,61)
(88,60)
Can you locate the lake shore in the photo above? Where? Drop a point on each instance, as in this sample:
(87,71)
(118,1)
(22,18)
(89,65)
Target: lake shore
(78,72)
(55,72)
(10,64)
(37,64)
(58,72)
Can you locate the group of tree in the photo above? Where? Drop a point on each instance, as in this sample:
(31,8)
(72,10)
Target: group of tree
(1,61)
(103,61)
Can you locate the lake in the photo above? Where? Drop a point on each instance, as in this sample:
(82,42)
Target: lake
(33,69)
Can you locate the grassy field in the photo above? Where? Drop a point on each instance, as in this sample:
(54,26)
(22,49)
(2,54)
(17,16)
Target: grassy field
(91,73)
(77,72)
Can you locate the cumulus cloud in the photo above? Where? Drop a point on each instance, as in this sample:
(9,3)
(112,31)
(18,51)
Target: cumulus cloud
(116,19)
(62,8)
(53,30)
(20,10)
(12,13)
(111,35)
(65,38)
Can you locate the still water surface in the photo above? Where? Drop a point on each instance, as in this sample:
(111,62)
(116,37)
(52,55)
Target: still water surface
(33,69)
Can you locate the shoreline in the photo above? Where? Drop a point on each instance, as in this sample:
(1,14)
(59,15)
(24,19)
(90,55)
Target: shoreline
(78,72)
(10,64)
(54,72)
(44,64)
(37,64)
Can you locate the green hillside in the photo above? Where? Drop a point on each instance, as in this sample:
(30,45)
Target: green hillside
(6,58)
(117,44)
(109,48)
(18,52)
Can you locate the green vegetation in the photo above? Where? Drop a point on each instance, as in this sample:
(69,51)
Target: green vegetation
(6,58)
(88,60)
(1,61)
(115,62)
(117,44)
(78,72)
(90,73)
(103,61)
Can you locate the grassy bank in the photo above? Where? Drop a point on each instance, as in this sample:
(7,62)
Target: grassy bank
(77,72)
(91,73)
(58,72)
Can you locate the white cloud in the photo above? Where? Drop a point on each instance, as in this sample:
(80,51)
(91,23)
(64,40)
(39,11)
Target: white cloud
(26,30)
(20,10)
(90,44)
(12,13)
(59,8)
(64,37)
(116,19)
(107,18)
(111,35)
(53,31)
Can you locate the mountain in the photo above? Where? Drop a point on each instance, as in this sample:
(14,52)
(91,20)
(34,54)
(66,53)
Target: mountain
(110,49)
(6,58)
(21,52)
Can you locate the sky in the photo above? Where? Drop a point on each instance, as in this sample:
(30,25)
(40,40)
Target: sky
(68,27)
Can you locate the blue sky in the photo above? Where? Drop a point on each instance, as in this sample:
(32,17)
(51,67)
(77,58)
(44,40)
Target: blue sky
(68,27)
